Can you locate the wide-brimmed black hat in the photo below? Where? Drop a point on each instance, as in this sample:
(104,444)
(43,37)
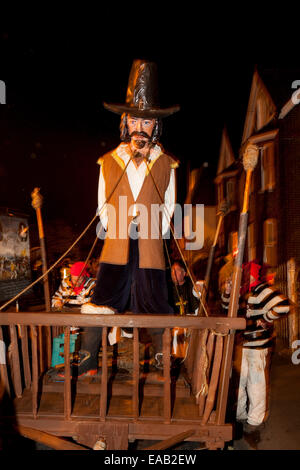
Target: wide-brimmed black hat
(142,93)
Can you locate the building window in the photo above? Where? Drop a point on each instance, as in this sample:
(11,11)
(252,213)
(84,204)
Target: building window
(270,242)
(220,193)
(251,243)
(230,193)
(267,167)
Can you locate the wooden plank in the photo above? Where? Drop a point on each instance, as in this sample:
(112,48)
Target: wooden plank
(292,319)
(141,429)
(124,320)
(209,350)
(16,370)
(25,355)
(171,441)
(136,373)
(67,381)
(167,374)
(224,379)
(199,378)
(103,397)
(229,342)
(115,435)
(3,365)
(34,385)
(41,348)
(189,362)
(214,380)
(118,389)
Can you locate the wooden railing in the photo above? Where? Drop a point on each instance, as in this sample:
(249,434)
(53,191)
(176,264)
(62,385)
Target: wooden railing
(25,372)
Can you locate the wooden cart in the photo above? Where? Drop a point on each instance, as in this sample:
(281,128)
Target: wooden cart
(114,408)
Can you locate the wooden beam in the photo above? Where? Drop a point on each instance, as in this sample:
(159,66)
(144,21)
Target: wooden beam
(126,320)
(171,441)
(49,440)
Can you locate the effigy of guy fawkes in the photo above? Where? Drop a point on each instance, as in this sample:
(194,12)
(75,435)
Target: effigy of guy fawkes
(135,177)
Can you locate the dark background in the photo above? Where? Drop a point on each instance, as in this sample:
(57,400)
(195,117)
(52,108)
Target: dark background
(54,127)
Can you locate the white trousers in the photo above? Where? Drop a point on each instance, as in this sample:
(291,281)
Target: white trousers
(254,371)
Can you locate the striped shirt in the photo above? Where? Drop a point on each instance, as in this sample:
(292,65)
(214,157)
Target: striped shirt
(265,304)
(66,294)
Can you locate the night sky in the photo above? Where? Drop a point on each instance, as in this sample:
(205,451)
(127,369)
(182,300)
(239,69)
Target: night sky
(54,126)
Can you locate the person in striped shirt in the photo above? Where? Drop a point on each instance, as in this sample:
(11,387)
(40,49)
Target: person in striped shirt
(75,289)
(262,303)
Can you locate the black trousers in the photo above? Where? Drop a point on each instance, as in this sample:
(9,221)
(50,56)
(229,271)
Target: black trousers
(128,287)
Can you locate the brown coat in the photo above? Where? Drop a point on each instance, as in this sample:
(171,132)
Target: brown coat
(116,245)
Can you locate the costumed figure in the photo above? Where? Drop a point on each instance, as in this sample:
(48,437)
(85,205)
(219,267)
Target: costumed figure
(185,300)
(135,177)
(75,289)
(261,303)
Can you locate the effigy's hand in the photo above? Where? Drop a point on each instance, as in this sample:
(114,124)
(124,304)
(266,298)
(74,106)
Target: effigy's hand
(57,304)
(199,287)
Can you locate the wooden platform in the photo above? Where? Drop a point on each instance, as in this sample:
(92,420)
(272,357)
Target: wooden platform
(125,401)
(85,424)
(120,383)
(87,405)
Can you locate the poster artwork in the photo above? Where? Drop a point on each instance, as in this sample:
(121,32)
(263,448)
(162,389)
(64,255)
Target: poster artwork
(14,249)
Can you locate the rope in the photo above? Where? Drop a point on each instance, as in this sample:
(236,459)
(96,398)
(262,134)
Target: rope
(176,242)
(49,269)
(217,333)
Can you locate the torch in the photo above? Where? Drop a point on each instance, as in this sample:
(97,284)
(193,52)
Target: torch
(37,201)
(250,157)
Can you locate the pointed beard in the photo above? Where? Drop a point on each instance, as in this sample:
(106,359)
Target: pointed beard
(137,154)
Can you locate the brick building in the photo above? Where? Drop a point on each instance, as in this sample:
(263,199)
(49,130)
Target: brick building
(272,122)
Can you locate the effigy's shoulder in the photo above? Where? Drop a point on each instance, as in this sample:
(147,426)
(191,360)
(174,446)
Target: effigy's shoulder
(106,156)
(174,162)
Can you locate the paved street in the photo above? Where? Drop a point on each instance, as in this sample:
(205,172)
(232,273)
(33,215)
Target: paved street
(282,430)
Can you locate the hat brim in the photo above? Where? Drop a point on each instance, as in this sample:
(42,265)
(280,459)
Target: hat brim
(144,113)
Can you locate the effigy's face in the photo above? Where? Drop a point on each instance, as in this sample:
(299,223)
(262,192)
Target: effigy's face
(140,131)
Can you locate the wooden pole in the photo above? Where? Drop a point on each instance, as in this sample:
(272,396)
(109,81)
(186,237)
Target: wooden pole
(37,201)
(167,375)
(222,212)
(35,373)
(67,382)
(250,157)
(136,374)
(104,374)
